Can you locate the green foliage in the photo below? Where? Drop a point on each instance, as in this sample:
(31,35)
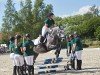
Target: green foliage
(58,21)
(64,44)
(85,25)
(97,33)
(89,27)
(29,19)
(8,20)
(94,10)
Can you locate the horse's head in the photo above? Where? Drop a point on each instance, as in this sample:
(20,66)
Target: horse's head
(55,31)
(53,36)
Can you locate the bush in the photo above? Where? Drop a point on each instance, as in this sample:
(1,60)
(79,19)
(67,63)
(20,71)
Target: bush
(97,33)
(85,45)
(91,43)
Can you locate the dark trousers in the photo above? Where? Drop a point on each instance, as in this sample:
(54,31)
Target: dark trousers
(79,64)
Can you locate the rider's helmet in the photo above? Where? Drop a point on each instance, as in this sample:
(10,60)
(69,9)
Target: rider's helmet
(75,34)
(27,35)
(50,14)
(18,36)
(71,36)
(12,38)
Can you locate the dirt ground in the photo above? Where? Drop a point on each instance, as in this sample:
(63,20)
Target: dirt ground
(90,66)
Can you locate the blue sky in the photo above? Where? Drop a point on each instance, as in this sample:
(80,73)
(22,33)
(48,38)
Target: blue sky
(61,7)
(66,7)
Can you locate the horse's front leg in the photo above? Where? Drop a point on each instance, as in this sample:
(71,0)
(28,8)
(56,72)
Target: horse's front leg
(35,56)
(57,52)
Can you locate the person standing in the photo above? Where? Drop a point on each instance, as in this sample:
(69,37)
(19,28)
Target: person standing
(77,47)
(29,54)
(72,54)
(69,47)
(12,48)
(18,57)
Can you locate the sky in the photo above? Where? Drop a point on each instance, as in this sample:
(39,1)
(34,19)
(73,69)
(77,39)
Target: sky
(62,8)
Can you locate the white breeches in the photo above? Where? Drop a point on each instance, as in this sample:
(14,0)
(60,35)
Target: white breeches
(37,41)
(29,60)
(19,60)
(12,58)
(78,55)
(45,30)
(71,56)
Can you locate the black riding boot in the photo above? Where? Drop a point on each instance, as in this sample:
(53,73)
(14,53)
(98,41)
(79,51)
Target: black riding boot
(14,70)
(32,69)
(43,39)
(79,64)
(22,70)
(18,70)
(29,70)
(73,64)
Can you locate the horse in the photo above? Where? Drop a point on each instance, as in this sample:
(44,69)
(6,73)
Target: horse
(52,41)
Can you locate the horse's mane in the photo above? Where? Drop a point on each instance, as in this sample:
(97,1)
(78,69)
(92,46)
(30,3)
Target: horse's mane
(55,30)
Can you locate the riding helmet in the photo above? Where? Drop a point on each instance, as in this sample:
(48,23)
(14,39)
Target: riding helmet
(17,36)
(12,38)
(50,14)
(27,35)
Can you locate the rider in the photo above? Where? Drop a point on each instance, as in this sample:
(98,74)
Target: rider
(49,23)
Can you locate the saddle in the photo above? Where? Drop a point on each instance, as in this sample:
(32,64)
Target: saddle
(40,46)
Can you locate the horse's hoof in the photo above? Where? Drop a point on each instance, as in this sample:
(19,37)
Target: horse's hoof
(53,60)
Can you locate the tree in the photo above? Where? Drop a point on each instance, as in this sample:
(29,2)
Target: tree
(30,20)
(24,18)
(72,23)
(27,16)
(39,13)
(97,33)
(38,7)
(94,10)
(27,20)
(58,21)
(8,20)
